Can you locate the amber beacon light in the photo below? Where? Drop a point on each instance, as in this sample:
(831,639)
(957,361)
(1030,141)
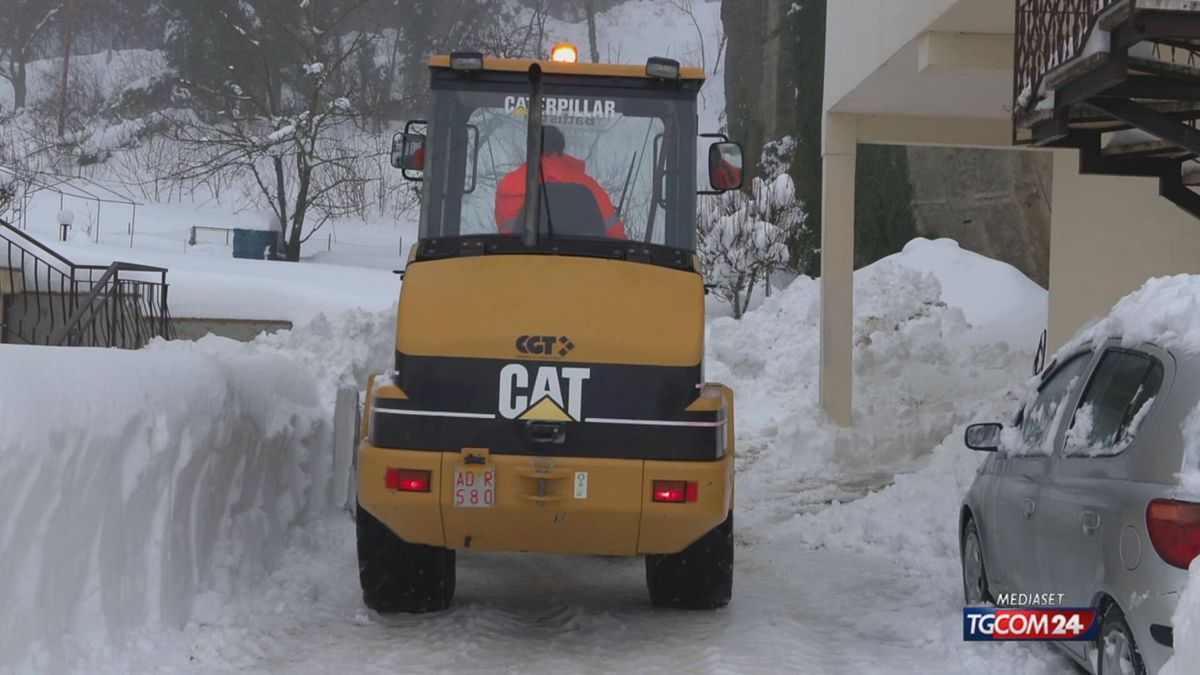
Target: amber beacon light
(564,52)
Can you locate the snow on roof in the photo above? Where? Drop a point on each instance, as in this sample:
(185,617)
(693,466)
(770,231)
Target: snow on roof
(1165,311)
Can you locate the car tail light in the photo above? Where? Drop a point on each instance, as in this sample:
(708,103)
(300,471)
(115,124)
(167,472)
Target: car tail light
(1174,529)
(407,480)
(675,492)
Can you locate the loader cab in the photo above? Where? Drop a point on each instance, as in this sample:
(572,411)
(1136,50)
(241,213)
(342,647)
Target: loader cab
(633,134)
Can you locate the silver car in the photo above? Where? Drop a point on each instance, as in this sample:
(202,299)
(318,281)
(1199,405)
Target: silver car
(1081,497)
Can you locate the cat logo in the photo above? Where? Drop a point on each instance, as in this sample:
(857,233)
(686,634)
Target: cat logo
(544,345)
(555,396)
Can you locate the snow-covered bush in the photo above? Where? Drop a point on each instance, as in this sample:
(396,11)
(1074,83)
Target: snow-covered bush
(742,238)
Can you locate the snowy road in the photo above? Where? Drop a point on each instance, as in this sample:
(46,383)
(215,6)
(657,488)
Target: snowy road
(798,611)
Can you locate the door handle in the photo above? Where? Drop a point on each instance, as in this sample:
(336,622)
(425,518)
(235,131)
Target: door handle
(1090,521)
(1028,506)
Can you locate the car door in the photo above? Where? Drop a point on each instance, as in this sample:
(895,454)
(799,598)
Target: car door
(1080,524)
(1025,460)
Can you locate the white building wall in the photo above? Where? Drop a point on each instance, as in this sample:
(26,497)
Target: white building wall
(861,35)
(1108,235)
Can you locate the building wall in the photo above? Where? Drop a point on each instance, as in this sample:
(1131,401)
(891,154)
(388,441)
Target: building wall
(993,202)
(1108,235)
(861,35)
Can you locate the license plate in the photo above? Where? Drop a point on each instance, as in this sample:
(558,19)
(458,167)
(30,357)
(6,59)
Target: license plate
(474,487)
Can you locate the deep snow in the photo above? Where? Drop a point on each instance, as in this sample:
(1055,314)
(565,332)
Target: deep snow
(204,561)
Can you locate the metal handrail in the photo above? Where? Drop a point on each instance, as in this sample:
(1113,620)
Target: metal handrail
(111,288)
(64,306)
(1048,34)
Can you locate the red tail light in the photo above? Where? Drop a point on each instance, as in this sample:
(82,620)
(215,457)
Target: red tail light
(1174,529)
(675,492)
(407,480)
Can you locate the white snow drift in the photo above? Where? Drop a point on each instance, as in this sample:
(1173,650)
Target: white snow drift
(137,487)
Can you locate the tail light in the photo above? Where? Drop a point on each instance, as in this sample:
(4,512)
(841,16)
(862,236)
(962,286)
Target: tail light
(1174,529)
(675,492)
(407,480)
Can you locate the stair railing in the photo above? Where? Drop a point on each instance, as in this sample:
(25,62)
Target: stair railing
(48,299)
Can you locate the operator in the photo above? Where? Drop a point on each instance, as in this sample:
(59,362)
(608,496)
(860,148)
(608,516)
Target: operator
(557,167)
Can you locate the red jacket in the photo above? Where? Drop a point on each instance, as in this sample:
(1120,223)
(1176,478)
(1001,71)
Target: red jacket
(510,195)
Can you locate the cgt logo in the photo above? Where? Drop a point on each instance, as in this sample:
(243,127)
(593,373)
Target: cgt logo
(544,345)
(556,394)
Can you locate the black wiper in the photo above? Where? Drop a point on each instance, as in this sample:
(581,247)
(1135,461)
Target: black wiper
(533,158)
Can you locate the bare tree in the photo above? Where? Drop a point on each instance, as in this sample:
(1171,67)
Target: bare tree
(21,24)
(286,119)
(589,7)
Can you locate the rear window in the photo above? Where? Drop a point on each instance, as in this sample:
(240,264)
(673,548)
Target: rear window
(1116,403)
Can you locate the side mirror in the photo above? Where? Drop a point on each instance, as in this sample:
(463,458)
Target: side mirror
(725,166)
(985,437)
(408,151)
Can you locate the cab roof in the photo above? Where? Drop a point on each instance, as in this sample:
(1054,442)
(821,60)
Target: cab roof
(558,68)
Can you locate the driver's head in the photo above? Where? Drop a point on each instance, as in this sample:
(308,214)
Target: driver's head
(553,141)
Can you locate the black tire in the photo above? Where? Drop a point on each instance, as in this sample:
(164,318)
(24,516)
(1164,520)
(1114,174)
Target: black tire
(397,576)
(1114,634)
(975,590)
(698,577)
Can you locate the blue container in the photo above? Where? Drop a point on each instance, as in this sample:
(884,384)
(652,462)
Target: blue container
(255,244)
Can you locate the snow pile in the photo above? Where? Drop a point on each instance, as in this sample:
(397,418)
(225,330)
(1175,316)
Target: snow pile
(997,299)
(1165,311)
(922,372)
(1186,625)
(145,488)
(920,368)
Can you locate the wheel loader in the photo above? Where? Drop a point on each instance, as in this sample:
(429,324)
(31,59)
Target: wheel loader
(548,393)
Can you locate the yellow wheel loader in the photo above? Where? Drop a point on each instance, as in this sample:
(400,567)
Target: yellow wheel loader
(548,390)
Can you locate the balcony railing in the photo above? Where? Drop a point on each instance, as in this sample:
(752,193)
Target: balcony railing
(1049,33)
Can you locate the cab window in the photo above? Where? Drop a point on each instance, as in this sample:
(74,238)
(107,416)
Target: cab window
(1116,402)
(617,163)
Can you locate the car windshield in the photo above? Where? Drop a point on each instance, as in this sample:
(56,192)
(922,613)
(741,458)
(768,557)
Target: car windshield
(616,164)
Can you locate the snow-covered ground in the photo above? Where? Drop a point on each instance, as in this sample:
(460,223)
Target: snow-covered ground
(204,537)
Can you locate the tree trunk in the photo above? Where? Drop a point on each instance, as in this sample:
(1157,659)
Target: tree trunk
(20,89)
(590,7)
(749,295)
(305,176)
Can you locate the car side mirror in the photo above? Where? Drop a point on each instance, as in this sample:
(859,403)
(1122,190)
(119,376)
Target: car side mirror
(985,437)
(408,151)
(725,166)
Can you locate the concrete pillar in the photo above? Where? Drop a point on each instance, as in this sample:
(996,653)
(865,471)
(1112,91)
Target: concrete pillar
(840,143)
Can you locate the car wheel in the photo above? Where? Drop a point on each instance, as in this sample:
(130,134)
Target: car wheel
(1118,653)
(975,583)
(698,577)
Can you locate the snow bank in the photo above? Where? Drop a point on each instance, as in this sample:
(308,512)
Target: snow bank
(144,488)
(1186,624)
(999,302)
(1165,311)
(932,333)
(920,368)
